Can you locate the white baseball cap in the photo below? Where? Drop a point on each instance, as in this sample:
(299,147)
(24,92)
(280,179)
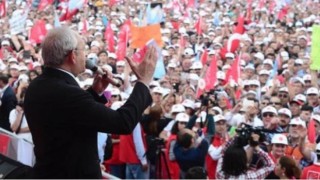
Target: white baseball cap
(182,117)
(285,111)
(230,55)
(177,108)
(279,139)
(312,90)
(270,109)
(316,117)
(116,105)
(218,109)
(219,117)
(115,91)
(298,121)
(259,55)
(157,89)
(307,77)
(188,103)
(121,63)
(196,65)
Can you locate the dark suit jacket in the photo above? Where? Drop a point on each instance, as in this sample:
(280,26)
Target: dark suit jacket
(8,102)
(64,121)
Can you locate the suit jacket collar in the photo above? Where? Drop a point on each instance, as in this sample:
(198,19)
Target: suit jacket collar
(52,72)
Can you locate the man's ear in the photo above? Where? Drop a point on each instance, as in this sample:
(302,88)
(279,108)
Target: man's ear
(71,57)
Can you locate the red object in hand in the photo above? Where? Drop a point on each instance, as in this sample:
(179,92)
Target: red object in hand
(139,55)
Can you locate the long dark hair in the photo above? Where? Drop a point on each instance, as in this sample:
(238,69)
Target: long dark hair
(291,168)
(234,161)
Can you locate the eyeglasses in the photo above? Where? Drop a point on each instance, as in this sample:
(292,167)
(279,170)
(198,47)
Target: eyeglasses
(293,125)
(264,103)
(312,95)
(282,95)
(268,114)
(275,103)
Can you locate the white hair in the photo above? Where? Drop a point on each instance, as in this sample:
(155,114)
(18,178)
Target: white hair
(57,44)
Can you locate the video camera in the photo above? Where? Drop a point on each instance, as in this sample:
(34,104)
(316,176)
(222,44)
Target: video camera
(246,131)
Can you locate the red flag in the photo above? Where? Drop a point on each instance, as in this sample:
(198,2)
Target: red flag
(109,37)
(198,26)
(112,2)
(204,57)
(211,74)
(283,12)
(4,143)
(272,6)
(123,40)
(311,131)
(233,74)
(68,14)
(38,32)
(175,25)
(234,39)
(43,4)
(201,87)
(3,9)
(191,4)
(261,4)
(139,55)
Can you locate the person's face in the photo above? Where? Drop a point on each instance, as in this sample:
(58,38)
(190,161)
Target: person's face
(278,149)
(94,49)
(278,169)
(120,69)
(297,88)
(305,115)
(294,130)
(14,73)
(284,97)
(267,117)
(284,120)
(253,87)
(111,61)
(222,102)
(103,58)
(181,125)
(264,103)
(275,102)
(312,99)
(263,78)
(156,97)
(33,76)
(317,126)
(295,108)
(221,127)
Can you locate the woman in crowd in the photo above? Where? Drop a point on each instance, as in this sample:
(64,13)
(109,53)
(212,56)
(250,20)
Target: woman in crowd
(287,168)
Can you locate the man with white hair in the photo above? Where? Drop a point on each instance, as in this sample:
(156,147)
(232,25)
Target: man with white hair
(64,119)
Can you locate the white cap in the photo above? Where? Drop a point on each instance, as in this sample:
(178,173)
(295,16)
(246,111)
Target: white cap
(189,52)
(268,61)
(188,103)
(316,117)
(193,76)
(157,89)
(182,117)
(121,63)
(116,105)
(298,61)
(176,108)
(270,109)
(23,68)
(221,75)
(88,71)
(307,77)
(298,121)
(225,67)
(15,66)
(107,67)
(259,55)
(196,65)
(133,78)
(300,98)
(154,83)
(12,59)
(202,117)
(279,139)
(249,66)
(112,55)
(95,43)
(216,108)
(254,82)
(312,90)
(36,64)
(285,111)
(264,72)
(230,55)
(5,42)
(285,55)
(219,117)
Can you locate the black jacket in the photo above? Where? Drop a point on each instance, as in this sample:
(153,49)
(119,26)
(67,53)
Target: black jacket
(8,102)
(64,121)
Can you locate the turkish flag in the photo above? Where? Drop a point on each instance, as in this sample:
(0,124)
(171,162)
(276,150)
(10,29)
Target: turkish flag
(211,74)
(204,57)
(198,26)
(3,8)
(311,131)
(38,32)
(109,37)
(233,74)
(123,40)
(283,12)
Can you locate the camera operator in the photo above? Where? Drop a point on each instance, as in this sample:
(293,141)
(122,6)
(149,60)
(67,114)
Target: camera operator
(235,161)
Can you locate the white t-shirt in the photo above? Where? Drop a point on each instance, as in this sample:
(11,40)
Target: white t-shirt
(24,124)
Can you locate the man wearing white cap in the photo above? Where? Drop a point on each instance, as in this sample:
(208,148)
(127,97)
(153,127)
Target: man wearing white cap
(284,115)
(313,97)
(279,144)
(219,139)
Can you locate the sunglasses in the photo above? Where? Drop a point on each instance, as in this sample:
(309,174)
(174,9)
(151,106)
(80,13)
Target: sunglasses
(282,95)
(294,125)
(268,114)
(275,103)
(280,145)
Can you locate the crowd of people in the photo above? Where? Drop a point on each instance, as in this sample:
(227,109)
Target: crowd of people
(265,123)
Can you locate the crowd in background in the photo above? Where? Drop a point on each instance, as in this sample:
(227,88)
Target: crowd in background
(263,123)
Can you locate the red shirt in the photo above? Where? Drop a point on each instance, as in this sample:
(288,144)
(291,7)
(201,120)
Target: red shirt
(174,169)
(212,164)
(311,172)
